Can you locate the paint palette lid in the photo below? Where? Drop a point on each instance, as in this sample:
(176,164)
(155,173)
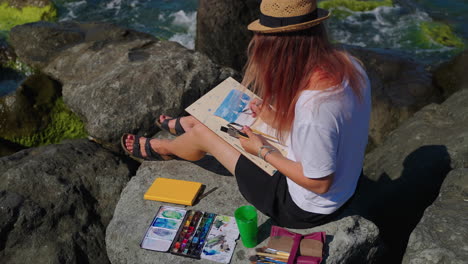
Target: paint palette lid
(173,191)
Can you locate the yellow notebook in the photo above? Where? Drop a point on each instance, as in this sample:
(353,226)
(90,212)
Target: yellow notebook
(173,191)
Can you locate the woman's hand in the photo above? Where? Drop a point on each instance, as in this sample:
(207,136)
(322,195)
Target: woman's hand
(266,114)
(253,143)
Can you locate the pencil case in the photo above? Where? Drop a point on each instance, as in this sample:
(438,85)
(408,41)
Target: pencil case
(305,249)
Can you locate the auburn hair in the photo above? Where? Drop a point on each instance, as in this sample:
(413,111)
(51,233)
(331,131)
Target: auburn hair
(280,67)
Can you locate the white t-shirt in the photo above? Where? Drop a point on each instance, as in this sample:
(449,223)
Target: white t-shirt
(329,134)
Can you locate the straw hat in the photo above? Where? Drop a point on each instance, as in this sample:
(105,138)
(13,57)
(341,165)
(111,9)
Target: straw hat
(288,15)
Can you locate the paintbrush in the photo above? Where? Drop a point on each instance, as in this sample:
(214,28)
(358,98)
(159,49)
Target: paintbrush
(232,124)
(234,132)
(274,251)
(259,259)
(271,255)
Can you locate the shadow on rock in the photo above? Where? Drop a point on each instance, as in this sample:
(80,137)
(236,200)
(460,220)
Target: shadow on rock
(396,206)
(211,164)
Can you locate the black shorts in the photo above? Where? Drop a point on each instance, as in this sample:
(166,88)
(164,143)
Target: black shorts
(270,195)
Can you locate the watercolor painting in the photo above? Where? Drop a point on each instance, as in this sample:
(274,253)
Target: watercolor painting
(166,223)
(229,103)
(233,106)
(169,212)
(221,240)
(162,234)
(218,248)
(225,225)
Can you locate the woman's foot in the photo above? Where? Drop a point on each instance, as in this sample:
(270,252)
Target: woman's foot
(176,126)
(145,148)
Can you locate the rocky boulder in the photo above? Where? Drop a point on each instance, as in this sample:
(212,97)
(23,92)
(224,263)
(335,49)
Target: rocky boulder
(35,114)
(56,201)
(440,237)
(403,175)
(222,30)
(451,76)
(118,80)
(400,87)
(351,239)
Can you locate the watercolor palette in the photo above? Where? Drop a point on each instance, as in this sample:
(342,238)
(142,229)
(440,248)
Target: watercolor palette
(191,238)
(163,228)
(192,233)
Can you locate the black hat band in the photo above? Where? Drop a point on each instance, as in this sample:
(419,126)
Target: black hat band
(275,22)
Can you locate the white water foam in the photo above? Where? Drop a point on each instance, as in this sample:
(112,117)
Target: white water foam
(188,22)
(114,4)
(385,26)
(70,7)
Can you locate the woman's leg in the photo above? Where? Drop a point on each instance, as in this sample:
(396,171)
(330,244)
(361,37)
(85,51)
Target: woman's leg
(193,145)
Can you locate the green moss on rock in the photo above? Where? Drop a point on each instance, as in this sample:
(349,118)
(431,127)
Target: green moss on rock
(340,6)
(64,124)
(20,67)
(441,34)
(12,16)
(36,114)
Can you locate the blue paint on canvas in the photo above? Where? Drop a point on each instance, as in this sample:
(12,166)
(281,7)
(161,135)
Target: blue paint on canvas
(232,105)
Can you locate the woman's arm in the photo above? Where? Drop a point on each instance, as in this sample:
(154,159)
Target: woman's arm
(291,169)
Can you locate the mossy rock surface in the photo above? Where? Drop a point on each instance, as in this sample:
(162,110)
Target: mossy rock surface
(442,34)
(15,12)
(432,35)
(36,114)
(342,8)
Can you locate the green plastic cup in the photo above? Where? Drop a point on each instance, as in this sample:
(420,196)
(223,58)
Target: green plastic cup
(246,219)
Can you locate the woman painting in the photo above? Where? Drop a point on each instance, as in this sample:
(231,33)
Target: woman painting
(316,96)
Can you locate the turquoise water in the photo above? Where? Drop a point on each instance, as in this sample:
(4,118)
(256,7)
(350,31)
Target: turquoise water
(173,20)
(396,28)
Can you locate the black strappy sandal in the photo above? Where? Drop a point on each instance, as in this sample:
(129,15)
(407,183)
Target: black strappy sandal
(136,153)
(176,131)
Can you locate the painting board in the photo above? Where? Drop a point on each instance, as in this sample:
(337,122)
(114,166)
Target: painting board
(230,100)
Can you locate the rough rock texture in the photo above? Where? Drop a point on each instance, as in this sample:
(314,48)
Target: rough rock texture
(56,201)
(7,147)
(451,76)
(6,53)
(351,239)
(117,80)
(441,236)
(222,30)
(35,114)
(25,112)
(403,176)
(400,86)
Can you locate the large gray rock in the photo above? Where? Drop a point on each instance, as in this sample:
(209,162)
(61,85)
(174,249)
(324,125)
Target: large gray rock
(451,76)
(117,80)
(441,236)
(400,87)
(222,30)
(403,175)
(37,44)
(26,111)
(56,201)
(351,239)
